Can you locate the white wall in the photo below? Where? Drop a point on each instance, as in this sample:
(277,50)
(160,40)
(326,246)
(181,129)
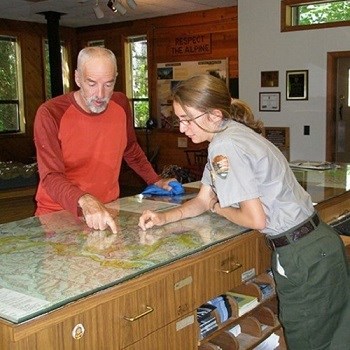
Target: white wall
(263,47)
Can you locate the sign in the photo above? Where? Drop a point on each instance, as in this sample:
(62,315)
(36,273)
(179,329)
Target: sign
(170,73)
(279,136)
(191,45)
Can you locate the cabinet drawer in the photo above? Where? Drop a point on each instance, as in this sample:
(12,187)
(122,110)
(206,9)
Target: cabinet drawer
(155,305)
(181,334)
(182,297)
(143,311)
(331,209)
(225,269)
(89,330)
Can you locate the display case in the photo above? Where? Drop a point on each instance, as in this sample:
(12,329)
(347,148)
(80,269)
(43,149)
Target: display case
(65,286)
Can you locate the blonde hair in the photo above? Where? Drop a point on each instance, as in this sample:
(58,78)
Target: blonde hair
(92,52)
(206,93)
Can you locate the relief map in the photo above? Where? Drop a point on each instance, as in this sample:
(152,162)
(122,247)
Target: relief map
(49,261)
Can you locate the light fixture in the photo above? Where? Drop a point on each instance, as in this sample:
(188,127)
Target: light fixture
(98,11)
(116,6)
(120,8)
(132,4)
(110,4)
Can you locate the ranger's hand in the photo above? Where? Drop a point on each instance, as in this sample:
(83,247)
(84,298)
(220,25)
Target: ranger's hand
(150,218)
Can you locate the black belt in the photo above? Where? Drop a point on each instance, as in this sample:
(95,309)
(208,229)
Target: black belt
(300,231)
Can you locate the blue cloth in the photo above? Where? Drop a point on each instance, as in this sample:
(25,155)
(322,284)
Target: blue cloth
(176,189)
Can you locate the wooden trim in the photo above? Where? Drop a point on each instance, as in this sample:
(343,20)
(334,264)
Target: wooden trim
(330,105)
(346,240)
(332,58)
(286,25)
(302,2)
(18,192)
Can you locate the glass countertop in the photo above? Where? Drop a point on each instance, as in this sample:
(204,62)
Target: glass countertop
(324,184)
(50,261)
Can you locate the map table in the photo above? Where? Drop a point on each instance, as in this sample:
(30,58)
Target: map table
(50,261)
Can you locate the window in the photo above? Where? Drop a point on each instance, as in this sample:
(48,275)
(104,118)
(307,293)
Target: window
(99,43)
(311,14)
(65,69)
(11,107)
(136,69)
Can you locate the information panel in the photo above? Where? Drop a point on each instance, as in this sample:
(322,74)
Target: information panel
(279,136)
(169,74)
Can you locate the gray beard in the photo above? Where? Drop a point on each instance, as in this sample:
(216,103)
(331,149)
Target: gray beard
(92,108)
(95,109)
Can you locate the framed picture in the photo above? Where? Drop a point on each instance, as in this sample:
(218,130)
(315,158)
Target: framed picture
(297,82)
(269,101)
(269,79)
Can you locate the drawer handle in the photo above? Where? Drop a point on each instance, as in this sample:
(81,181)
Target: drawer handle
(132,319)
(234,268)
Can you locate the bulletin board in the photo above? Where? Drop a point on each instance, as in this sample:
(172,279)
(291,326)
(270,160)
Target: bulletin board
(169,74)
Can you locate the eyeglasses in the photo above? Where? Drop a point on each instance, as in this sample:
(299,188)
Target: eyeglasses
(187,122)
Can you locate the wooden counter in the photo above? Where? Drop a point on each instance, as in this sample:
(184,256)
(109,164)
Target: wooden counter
(150,308)
(17,203)
(90,290)
(160,306)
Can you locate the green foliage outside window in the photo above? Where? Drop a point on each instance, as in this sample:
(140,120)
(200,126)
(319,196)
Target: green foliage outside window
(9,103)
(47,71)
(139,80)
(65,71)
(329,12)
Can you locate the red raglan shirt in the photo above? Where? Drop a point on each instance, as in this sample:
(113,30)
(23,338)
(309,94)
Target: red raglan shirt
(80,153)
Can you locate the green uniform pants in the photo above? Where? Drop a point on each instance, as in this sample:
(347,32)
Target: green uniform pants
(314,294)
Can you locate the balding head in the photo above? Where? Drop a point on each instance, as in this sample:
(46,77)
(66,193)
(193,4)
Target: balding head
(95,52)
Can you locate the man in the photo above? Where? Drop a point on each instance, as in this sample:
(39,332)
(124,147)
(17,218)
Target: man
(81,138)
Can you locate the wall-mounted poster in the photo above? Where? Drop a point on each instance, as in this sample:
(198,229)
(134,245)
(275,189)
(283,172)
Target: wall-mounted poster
(169,74)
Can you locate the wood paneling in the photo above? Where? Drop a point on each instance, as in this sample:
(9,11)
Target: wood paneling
(221,24)
(167,143)
(30,36)
(17,204)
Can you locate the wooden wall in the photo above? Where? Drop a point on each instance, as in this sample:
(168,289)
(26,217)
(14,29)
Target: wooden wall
(166,143)
(30,35)
(220,24)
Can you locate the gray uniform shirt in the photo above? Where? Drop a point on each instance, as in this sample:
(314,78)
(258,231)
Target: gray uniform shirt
(244,165)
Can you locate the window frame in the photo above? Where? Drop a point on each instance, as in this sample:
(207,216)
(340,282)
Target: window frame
(65,67)
(20,99)
(129,75)
(286,17)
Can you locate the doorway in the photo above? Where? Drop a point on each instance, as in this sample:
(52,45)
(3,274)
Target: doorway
(338,109)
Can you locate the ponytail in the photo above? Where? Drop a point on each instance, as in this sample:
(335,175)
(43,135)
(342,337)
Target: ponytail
(242,113)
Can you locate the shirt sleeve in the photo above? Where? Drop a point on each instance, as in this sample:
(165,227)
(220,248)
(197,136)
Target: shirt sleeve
(50,161)
(238,182)
(133,154)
